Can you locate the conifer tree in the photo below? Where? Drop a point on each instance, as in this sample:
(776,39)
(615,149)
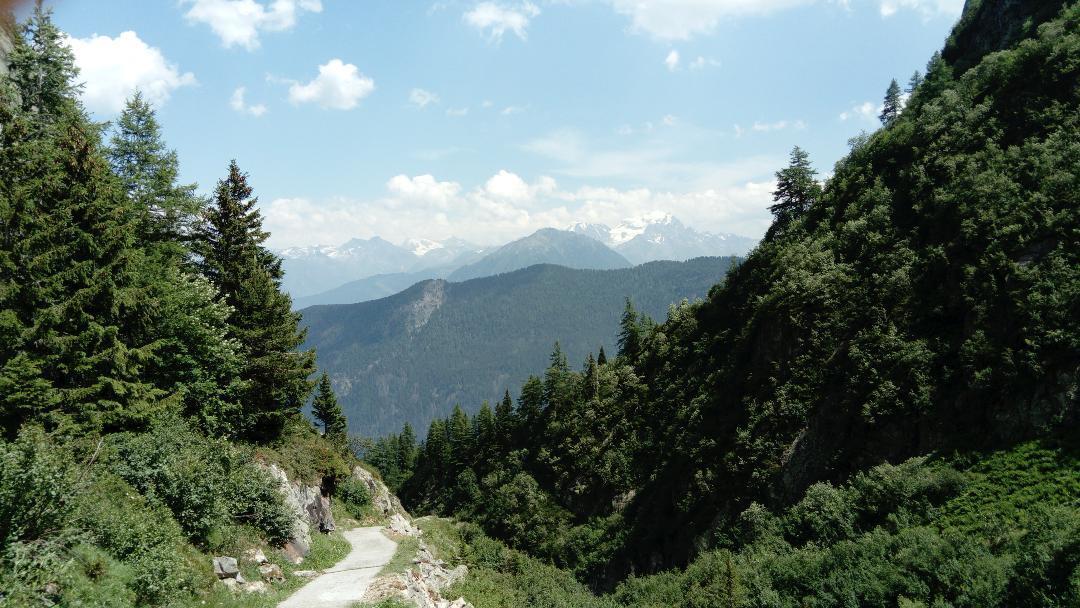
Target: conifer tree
(247,275)
(629,332)
(406,450)
(69,289)
(591,379)
(531,402)
(890,110)
(601,358)
(914,82)
(460,439)
(326,410)
(504,421)
(796,191)
(149,172)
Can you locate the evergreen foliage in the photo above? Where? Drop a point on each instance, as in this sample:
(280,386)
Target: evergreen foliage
(796,191)
(893,104)
(248,276)
(326,410)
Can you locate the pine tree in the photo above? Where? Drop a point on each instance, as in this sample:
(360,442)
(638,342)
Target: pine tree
(601,358)
(914,82)
(890,110)
(591,379)
(149,173)
(531,401)
(460,440)
(796,191)
(505,423)
(326,410)
(42,68)
(406,455)
(629,332)
(69,289)
(248,276)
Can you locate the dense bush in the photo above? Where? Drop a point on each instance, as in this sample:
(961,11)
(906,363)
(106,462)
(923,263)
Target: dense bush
(206,483)
(354,495)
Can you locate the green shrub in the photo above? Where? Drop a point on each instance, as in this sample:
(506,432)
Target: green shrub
(354,495)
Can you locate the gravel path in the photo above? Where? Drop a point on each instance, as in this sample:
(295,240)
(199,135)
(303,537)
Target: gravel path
(346,581)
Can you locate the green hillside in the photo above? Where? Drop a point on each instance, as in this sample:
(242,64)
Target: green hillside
(921,303)
(412,356)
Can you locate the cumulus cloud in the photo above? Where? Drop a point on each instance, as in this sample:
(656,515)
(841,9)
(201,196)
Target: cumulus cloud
(496,19)
(506,207)
(421,98)
(458,112)
(511,110)
(239,22)
(112,69)
(866,111)
(424,189)
(238,103)
(672,60)
(339,86)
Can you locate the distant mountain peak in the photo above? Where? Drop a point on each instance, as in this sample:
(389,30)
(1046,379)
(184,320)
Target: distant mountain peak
(636,226)
(422,247)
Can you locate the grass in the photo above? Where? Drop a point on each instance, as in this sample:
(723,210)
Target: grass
(326,550)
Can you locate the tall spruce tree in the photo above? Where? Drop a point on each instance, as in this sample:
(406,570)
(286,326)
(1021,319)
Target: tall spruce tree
(796,191)
(892,105)
(601,357)
(629,332)
(149,172)
(69,286)
(326,410)
(247,275)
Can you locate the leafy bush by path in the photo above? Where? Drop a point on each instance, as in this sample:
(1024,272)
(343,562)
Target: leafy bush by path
(354,495)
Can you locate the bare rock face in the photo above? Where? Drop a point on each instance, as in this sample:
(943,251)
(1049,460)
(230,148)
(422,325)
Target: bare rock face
(402,526)
(386,503)
(310,508)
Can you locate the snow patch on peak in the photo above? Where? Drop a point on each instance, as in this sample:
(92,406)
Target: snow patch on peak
(422,247)
(636,226)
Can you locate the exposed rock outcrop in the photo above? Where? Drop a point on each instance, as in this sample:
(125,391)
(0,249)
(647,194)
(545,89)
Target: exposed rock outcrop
(422,585)
(310,508)
(386,503)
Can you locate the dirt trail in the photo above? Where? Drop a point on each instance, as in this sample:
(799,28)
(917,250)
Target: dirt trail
(347,580)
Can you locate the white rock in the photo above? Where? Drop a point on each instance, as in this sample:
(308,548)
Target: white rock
(225,567)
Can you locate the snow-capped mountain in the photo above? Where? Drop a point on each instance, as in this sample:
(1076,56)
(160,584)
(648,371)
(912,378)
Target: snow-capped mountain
(314,269)
(660,236)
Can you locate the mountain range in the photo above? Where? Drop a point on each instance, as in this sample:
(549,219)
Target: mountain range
(367,269)
(412,356)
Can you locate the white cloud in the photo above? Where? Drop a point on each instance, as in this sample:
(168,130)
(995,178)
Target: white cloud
(669,120)
(672,60)
(425,189)
(487,103)
(511,110)
(421,98)
(239,22)
(339,86)
(457,112)
(112,69)
(928,8)
(867,111)
(496,19)
(507,207)
(238,103)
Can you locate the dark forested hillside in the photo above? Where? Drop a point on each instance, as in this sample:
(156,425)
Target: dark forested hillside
(412,356)
(922,302)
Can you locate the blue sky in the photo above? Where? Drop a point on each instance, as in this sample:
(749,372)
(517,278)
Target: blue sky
(488,120)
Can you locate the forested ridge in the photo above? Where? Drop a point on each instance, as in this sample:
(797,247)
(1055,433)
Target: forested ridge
(149,364)
(412,356)
(878,407)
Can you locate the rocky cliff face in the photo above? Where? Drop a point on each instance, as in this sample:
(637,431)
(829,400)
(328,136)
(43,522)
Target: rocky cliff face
(310,507)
